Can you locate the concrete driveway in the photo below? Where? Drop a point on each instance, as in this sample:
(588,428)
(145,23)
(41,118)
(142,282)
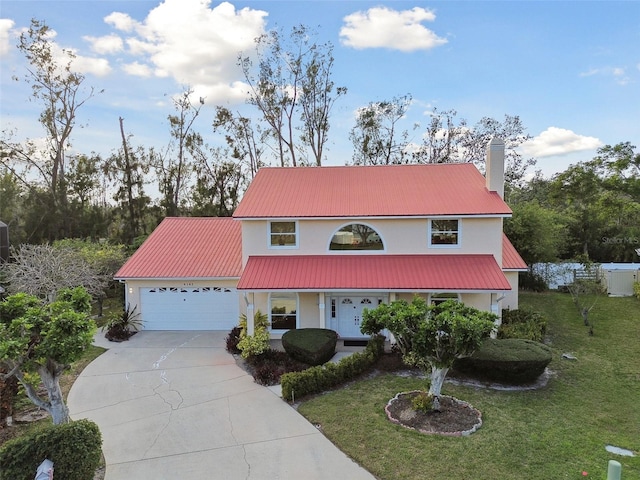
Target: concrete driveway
(174,406)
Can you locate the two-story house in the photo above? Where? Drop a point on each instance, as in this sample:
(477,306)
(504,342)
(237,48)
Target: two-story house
(315,246)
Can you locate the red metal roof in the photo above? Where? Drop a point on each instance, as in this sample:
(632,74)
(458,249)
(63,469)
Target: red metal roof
(371,191)
(511,259)
(188,247)
(373,272)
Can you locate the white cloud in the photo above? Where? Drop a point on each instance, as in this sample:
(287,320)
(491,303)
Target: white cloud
(559,141)
(619,74)
(137,69)
(120,21)
(97,66)
(382,27)
(6,26)
(192,43)
(106,45)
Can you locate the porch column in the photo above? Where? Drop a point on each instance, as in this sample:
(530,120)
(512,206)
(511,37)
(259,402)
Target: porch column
(495,309)
(392,297)
(250,313)
(321,310)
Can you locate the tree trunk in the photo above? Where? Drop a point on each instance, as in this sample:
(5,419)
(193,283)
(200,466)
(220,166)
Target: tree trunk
(437,379)
(50,376)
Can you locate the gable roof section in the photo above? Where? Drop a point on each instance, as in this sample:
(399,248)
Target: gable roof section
(371,191)
(511,259)
(373,272)
(188,247)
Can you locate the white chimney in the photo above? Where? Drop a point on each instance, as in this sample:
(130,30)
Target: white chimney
(495,166)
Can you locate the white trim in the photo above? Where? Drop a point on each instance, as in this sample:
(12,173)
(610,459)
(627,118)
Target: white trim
(296,234)
(380,217)
(174,279)
(389,291)
(445,246)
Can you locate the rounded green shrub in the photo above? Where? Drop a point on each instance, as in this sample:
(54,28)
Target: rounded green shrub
(75,449)
(313,346)
(510,360)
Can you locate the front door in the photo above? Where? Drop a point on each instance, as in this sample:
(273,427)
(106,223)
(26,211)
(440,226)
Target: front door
(350,315)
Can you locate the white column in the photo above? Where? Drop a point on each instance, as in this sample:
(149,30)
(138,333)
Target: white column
(250,313)
(322,310)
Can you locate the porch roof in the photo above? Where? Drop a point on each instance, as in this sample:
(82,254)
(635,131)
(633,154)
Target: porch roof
(373,273)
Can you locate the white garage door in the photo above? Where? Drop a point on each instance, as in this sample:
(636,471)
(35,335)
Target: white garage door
(189,308)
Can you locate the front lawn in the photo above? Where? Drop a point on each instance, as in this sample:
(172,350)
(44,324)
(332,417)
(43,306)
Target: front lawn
(557,432)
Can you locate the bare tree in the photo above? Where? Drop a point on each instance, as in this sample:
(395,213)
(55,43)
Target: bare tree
(242,138)
(376,136)
(290,83)
(60,90)
(42,270)
(126,170)
(173,167)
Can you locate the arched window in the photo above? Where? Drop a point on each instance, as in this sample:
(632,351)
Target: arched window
(356,236)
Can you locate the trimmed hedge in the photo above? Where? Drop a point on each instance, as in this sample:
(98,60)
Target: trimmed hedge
(511,360)
(323,377)
(523,323)
(313,346)
(75,449)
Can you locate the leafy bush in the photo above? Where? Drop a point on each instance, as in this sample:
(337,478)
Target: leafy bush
(120,326)
(16,305)
(74,448)
(268,367)
(314,346)
(422,402)
(322,377)
(523,323)
(258,343)
(77,297)
(636,289)
(232,340)
(511,360)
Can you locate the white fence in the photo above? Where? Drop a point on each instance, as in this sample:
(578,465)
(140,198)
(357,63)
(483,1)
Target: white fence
(620,277)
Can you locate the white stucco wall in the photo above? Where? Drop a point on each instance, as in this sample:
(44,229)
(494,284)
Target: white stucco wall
(399,236)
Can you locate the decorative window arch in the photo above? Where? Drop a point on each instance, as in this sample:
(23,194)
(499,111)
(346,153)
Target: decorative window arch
(356,236)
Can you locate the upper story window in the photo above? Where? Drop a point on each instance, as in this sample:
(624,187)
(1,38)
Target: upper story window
(356,236)
(444,233)
(283,234)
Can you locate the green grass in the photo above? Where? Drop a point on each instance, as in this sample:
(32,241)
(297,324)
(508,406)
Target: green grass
(553,433)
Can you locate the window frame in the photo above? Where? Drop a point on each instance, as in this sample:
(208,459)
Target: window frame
(436,296)
(271,235)
(373,251)
(431,232)
(290,296)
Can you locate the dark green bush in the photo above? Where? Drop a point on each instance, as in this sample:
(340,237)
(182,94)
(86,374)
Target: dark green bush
(320,378)
(313,346)
(523,323)
(74,448)
(512,360)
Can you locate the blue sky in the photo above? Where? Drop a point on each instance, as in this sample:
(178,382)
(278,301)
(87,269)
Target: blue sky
(569,70)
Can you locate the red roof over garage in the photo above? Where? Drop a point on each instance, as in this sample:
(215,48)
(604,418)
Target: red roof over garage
(373,272)
(188,247)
